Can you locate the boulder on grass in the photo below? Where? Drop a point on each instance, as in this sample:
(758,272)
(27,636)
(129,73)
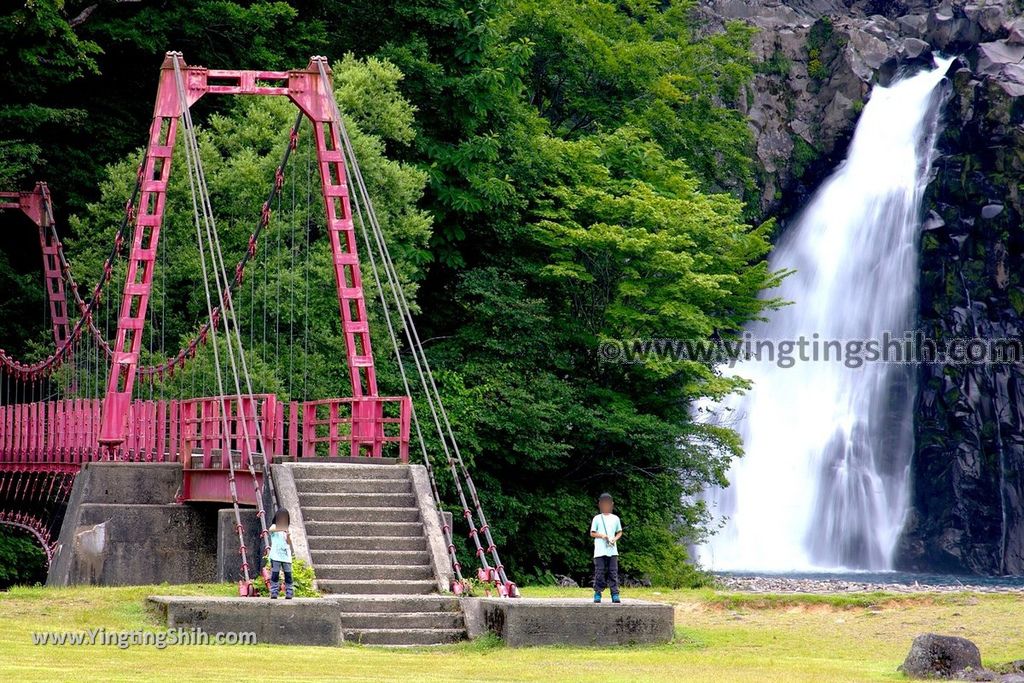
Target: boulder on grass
(935,656)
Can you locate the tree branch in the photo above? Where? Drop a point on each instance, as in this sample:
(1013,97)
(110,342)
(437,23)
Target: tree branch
(84,15)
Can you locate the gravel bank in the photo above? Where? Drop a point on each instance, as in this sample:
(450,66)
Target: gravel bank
(777,584)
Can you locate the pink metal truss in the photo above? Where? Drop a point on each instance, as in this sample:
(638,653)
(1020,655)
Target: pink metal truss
(306,89)
(37,206)
(32,525)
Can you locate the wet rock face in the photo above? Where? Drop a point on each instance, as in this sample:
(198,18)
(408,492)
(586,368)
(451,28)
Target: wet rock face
(819,60)
(968,496)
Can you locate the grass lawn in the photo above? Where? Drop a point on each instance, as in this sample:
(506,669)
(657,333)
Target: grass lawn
(719,637)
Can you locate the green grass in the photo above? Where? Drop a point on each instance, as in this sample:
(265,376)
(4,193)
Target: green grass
(720,636)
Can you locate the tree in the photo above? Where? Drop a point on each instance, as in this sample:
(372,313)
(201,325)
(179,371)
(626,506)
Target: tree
(22,561)
(620,244)
(40,51)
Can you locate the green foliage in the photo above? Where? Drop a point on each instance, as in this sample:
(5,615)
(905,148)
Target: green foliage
(776,65)
(22,561)
(596,67)
(822,45)
(40,52)
(303,577)
(815,69)
(1017,300)
(804,154)
(666,564)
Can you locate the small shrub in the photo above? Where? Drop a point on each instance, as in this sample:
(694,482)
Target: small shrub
(672,569)
(818,39)
(541,578)
(666,565)
(804,155)
(22,561)
(775,65)
(302,578)
(815,69)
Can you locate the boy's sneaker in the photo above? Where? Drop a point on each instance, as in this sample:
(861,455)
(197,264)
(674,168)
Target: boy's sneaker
(615,598)
(273,597)
(597,597)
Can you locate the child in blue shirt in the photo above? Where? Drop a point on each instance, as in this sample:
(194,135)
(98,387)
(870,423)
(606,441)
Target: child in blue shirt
(606,529)
(281,555)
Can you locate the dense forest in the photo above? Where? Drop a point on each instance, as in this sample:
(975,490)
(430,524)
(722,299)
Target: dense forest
(551,174)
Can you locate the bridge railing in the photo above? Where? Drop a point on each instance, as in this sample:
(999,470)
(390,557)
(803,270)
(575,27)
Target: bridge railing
(203,421)
(192,431)
(372,427)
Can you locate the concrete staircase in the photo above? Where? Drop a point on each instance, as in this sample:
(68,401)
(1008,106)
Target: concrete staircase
(401,620)
(368,543)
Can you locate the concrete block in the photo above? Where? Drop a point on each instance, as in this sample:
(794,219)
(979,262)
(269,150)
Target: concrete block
(122,483)
(567,621)
(229,562)
(302,621)
(124,545)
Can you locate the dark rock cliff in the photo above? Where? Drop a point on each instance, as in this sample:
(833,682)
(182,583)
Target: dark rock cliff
(819,59)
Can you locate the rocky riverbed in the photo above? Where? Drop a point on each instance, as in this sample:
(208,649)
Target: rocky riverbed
(782,584)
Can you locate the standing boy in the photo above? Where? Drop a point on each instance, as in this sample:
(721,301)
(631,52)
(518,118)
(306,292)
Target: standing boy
(606,529)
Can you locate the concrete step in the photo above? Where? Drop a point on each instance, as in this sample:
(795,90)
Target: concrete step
(398,603)
(409,636)
(402,620)
(325,485)
(407,557)
(346,514)
(328,471)
(411,572)
(383,587)
(366,543)
(374,529)
(352,500)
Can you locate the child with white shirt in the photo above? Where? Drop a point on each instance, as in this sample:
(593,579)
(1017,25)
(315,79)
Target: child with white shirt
(606,529)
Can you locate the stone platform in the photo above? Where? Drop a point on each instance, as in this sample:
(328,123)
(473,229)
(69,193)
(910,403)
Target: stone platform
(301,621)
(333,620)
(569,621)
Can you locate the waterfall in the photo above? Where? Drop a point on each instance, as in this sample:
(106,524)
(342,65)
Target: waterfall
(823,483)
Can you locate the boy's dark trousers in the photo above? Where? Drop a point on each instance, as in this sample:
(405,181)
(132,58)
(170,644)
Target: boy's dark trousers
(606,573)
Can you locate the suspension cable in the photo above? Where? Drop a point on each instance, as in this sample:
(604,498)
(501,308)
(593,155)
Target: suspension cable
(192,148)
(30,371)
(432,393)
(155,371)
(233,332)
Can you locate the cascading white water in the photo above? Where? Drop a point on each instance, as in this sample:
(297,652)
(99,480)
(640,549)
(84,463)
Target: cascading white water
(823,482)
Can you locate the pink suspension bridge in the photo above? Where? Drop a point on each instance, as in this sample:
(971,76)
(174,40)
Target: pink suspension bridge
(93,398)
